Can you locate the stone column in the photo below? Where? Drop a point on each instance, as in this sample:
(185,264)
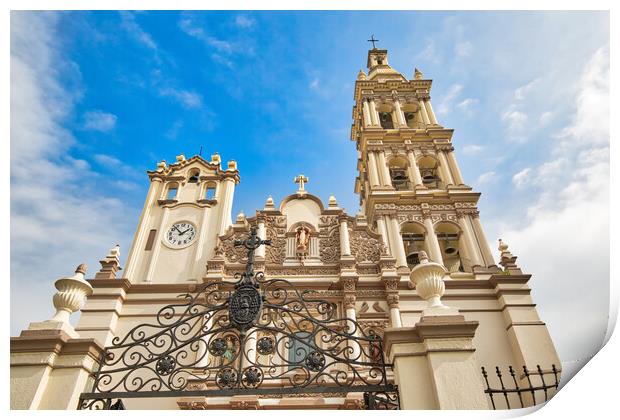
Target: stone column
(394,305)
(373,169)
(384,233)
(226,205)
(374,116)
(414,171)
(349,304)
(249,348)
(425,117)
(472,248)
(431,239)
(262,234)
(397,243)
(140,238)
(393,300)
(345,247)
(443,163)
(429,111)
(400,117)
(458,177)
(366,113)
(385,172)
(482,240)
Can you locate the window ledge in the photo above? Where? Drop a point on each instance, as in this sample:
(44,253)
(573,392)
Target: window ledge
(167,201)
(207,201)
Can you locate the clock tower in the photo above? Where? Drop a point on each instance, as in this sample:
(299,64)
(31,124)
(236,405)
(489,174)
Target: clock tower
(188,204)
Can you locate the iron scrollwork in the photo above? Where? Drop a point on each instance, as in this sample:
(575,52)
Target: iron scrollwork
(233,337)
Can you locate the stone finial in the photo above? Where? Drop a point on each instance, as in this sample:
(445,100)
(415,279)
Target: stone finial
(269,204)
(332,201)
(507,260)
(361,75)
(72,291)
(70,297)
(161,166)
(232,165)
(110,264)
(216,159)
(241,217)
(428,279)
(181,158)
(417,74)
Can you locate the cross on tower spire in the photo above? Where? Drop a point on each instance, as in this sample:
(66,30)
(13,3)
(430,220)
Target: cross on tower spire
(301,180)
(373,40)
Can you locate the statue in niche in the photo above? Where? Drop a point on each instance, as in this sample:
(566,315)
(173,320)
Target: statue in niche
(302,238)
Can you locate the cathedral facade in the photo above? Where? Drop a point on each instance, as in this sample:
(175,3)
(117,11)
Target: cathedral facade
(301,305)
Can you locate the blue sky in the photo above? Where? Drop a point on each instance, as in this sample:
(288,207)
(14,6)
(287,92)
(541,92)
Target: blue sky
(99,97)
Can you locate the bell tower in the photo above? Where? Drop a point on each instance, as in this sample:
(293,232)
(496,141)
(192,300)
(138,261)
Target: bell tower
(409,183)
(188,205)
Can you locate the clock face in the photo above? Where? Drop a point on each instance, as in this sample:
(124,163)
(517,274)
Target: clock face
(180,234)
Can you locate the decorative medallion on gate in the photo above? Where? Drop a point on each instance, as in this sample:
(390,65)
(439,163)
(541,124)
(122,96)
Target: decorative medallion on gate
(255,336)
(245,306)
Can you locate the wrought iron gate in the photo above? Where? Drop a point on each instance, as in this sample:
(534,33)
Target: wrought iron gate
(255,336)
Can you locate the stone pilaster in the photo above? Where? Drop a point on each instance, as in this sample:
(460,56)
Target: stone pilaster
(49,369)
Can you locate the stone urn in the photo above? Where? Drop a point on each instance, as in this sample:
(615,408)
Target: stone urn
(428,279)
(72,292)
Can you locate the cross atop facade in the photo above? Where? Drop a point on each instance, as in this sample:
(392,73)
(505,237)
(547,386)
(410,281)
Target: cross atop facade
(373,40)
(301,180)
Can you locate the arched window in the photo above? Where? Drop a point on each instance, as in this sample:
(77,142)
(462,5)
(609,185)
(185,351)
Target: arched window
(429,172)
(171,193)
(385,118)
(413,236)
(398,174)
(451,245)
(193,176)
(412,119)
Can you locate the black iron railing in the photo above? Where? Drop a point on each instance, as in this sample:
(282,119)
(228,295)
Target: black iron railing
(525,386)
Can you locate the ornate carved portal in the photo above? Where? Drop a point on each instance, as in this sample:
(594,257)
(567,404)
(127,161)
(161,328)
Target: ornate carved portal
(256,336)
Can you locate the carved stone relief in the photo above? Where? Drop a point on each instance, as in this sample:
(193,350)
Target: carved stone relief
(364,247)
(329,240)
(275,227)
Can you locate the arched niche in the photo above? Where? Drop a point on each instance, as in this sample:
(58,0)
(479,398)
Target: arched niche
(414,240)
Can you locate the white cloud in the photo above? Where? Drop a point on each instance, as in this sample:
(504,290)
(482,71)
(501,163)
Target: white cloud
(429,53)
(516,122)
(245,22)
(188,26)
(128,22)
(99,121)
(522,91)
(521,178)
(173,132)
(445,103)
(564,240)
(56,221)
(545,117)
(314,84)
(472,149)
(463,48)
(188,99)
(486,178)
(468,106)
